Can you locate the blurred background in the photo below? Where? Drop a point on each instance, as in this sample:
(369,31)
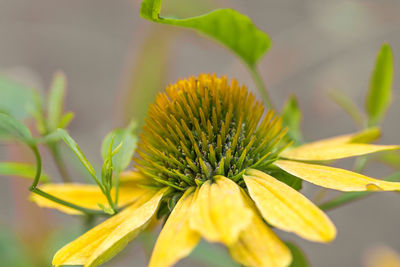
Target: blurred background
(115,62)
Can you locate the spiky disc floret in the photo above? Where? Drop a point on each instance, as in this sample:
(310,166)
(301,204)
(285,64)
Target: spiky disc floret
(202,127)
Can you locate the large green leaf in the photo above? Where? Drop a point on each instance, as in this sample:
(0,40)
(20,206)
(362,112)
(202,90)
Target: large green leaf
(23,170)
(126,137)
(292,116)
(380,89)
(12,128)
(299,259)
(227,26)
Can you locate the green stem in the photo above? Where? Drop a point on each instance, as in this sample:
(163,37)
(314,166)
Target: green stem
(33,188)
(352,196)
(260,86)
(55,152)
(65,203)
(116,189)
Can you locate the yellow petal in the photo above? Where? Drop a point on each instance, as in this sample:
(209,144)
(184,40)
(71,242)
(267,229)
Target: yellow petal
(132,177)
(108,238)
(335,178)
(258,246)
(333,151)
(287,209)
(176,239)
(84,195)
(219,212)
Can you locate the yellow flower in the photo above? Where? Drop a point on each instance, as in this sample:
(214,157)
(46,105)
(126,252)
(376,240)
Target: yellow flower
(216,166)
(382,256)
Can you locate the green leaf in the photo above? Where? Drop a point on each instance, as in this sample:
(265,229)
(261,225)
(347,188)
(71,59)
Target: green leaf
(348,106)
(55,101)
(23,170)
(292,116)
(12,128)
(126,137)
(379,94)
(16,99)
(75,148)
(227,26)
(299,259)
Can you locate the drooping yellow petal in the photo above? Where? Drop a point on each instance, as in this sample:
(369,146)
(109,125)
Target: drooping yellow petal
(84,195)
(333,151)
(220,213)
(176,239)
(335,178)
(108,238)
(287,209)
(258,246)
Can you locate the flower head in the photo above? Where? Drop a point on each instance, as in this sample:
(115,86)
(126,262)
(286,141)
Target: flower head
(213,163)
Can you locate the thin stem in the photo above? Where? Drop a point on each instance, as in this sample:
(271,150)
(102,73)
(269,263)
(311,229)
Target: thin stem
(55,152)
(33,188)
(352,196)
(116,189)
(260,86)
(38,167)
(65,203)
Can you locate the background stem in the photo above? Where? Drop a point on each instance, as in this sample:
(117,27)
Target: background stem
(260,86)
(55,152)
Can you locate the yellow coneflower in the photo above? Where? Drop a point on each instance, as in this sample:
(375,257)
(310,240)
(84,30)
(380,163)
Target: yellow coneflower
(382,256)
(211,162)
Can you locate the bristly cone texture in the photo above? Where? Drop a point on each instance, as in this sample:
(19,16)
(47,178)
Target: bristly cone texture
(204,126)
